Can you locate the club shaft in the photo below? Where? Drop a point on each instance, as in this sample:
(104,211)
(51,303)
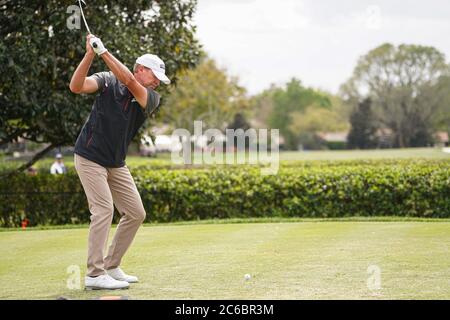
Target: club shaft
(84,19)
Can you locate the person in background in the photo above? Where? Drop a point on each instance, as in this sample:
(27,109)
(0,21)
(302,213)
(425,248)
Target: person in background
(58,166)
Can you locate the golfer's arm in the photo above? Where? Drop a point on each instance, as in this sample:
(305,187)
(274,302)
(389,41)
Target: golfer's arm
(126,77)
(80,83)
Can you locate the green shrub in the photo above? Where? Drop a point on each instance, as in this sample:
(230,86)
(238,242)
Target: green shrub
(43,199)
(415,190)
(336,145)
(419,188)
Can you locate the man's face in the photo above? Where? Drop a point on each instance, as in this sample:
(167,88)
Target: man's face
(146,77)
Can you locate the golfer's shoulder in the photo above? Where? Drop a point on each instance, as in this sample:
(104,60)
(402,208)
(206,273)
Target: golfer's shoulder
(114,83)
(104,79)
(109,77)
(103,74)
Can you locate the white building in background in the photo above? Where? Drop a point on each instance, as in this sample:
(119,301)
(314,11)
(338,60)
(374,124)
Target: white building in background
(162,143)
(167,143)
(340,136)
(147,147)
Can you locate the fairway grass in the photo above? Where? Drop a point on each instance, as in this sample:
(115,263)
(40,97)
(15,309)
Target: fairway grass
(287,260)
(285,156)
(374,154)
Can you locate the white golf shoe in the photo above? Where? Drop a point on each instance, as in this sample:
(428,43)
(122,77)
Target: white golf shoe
(118,274)
(104,282)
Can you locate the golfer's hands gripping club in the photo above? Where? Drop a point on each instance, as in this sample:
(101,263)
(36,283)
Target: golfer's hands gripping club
(89,49)
(97,45)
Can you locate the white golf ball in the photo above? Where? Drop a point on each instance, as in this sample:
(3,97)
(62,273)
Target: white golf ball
(247,277)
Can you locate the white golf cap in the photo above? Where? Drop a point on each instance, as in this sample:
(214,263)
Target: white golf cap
(153,62)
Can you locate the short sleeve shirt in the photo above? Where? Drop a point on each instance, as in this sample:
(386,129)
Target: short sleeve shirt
(114,120)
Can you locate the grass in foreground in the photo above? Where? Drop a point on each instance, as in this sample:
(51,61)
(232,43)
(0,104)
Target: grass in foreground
(297,260)
(246,220)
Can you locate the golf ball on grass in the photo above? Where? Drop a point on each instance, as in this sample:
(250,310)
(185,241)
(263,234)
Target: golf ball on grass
(247,277)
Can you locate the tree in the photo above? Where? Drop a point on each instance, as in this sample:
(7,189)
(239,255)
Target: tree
(39,53)
(286,101)
(315,119)
(239,122)
(205,93)
(406,89)
(261,107)
(363,134)
(441,119)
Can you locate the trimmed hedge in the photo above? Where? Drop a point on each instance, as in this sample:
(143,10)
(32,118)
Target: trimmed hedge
(42,199)
(419,188)
(413,190)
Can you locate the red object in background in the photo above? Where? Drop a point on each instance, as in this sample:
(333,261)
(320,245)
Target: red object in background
(25,223)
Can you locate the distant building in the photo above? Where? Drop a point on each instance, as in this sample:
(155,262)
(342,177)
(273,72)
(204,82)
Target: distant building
(333,136)
(385,138)
(441,139)
(334,140)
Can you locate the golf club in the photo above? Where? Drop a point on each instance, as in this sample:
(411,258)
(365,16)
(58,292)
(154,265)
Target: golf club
(98,298)
(84,19)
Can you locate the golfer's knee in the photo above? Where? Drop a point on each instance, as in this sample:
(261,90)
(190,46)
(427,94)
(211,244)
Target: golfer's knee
(141,214)
(138,215)
(101,212)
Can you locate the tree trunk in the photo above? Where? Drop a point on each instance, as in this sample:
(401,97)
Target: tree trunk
(35,158)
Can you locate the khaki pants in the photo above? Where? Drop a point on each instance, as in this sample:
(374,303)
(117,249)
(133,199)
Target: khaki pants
(103,187)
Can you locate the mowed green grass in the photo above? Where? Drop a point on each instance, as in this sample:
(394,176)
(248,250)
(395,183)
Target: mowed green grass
(296,260)
(407,153)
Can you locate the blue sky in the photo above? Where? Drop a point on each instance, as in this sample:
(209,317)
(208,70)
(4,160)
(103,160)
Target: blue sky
(319,42)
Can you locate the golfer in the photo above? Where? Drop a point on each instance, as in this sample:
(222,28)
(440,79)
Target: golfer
(124,101)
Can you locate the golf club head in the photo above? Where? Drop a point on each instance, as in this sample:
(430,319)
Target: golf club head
(112,298)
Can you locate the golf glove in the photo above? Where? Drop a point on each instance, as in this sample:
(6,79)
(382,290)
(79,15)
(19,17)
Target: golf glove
(97,45)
